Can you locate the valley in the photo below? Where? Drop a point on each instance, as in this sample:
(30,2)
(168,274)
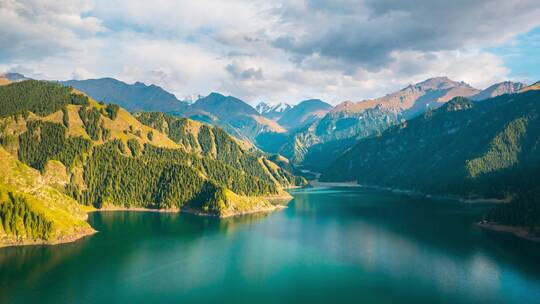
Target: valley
(219,156)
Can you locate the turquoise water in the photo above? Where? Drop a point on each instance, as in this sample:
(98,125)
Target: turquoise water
(330,246)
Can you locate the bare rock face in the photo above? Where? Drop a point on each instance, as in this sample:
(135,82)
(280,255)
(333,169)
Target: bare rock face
(272,111)
(413,99)
(55,173)
(535,87)
(506,87)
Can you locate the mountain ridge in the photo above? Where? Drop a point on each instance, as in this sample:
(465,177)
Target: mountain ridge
(136,96)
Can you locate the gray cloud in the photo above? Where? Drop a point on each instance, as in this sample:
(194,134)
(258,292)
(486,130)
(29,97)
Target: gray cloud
(368,33)
(288,51)
(242,73)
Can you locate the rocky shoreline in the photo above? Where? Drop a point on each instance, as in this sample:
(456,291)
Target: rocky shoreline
(233,214)
(61,240)
(518,231)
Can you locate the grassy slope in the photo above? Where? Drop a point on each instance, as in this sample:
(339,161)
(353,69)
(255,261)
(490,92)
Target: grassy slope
(68,217)
(43,192)
(118,127)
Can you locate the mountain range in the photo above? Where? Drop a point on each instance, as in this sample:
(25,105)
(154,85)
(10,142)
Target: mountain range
(133,97)
(325,139)
(234,115)
(311,133)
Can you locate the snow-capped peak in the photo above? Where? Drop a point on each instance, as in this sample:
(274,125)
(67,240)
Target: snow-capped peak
(266,108)
(192,98)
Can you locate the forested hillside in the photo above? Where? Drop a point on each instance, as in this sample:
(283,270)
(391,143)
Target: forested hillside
(104,157)
(482,149)
(33,208)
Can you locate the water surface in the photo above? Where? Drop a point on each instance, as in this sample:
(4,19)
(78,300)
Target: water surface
(332,245)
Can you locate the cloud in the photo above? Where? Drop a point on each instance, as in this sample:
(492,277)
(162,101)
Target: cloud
(259,50)
(37,29)
(367,33)
(244,73)
(81,73)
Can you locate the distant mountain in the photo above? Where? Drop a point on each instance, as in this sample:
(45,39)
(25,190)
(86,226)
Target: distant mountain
(350,121)
(506,87)
(134,97)
(533,87)
(8,78)
(190,99)
(15,77)
(414,99)
(222,106)
(232,114)
(304,113)
(272,111)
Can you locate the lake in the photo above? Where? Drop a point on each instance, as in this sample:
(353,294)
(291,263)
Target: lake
(331,245)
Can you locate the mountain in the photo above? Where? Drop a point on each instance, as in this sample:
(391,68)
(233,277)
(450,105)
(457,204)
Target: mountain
(533,87)
(15,77)
(506,87)
(272,111)
(318,144)
(476,149)
(489,148)
(304,113)
(8,78)
(103,157)
(232,114)
(414,99)
(133,97)
(228,112)
(222,106)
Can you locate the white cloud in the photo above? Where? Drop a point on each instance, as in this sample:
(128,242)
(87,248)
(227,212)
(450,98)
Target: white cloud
(195,47)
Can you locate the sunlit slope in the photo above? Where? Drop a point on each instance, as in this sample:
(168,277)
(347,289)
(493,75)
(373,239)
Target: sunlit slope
(33,209)
(488,148)
(112,159)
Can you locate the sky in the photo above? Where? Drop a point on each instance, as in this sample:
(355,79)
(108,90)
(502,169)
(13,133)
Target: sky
(273,51)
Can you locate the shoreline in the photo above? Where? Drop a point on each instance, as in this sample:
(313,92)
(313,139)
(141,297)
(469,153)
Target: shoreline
(273,200)
(517,231)
(273,208)
(355,184)
(316,183)
(134,209)
(63,240)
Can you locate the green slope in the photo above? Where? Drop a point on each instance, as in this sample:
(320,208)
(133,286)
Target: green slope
(105,158)
(33,209)
(484,149)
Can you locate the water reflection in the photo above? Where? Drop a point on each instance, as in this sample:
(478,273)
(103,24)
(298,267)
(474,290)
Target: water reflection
(352,244)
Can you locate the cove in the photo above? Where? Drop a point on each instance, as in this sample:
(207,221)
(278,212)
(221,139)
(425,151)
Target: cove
(331,245)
